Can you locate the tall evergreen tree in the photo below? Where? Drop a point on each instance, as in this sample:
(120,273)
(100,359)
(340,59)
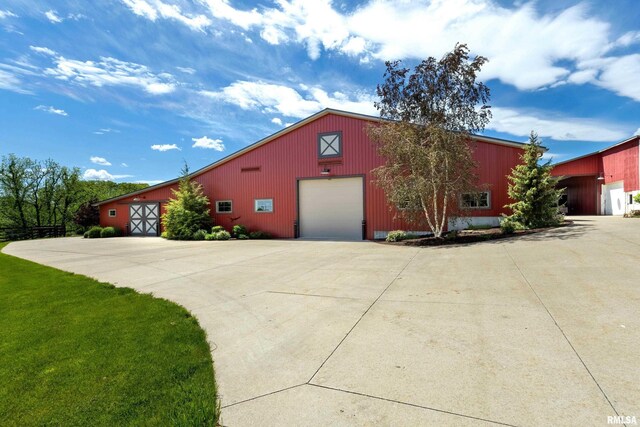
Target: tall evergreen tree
(188,211)
(534,190)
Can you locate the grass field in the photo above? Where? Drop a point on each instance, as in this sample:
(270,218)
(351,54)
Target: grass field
(74,351)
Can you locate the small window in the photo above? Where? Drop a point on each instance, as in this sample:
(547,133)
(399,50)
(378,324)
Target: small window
(630,199)
(330,145)
(480,200)
(264,205)
(112,212)
(224,206)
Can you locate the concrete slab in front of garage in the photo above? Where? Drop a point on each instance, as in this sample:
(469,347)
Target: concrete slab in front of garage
(537,330)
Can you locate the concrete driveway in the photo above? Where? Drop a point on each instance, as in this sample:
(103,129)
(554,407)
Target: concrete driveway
(537,330)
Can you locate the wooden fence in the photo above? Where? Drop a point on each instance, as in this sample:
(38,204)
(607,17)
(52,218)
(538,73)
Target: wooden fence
(12,233)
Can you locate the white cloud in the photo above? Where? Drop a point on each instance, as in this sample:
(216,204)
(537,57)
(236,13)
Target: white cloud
(43,50)
(105,130)
(150,181)
(9,81)
(204,142)
(521,123)
(51,110)
(111,72)
(101,175)
(52,16)
(97,175)
(100,161)
(621,75)
(527,48)
(142,8)
(7,14)
(124,165)
(154,9)
(165,147)
(186,70)
(284,100)
(276,121)
(244,19)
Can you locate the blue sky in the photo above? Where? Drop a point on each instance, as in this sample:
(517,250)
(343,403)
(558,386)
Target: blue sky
(128,89)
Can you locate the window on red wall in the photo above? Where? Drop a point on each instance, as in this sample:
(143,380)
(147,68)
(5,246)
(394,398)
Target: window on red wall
(480,200)
(112,212)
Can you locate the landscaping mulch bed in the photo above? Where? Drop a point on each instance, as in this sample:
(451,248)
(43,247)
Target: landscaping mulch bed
(471,236)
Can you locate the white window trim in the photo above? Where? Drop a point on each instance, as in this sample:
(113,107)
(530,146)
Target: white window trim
(224,201)
(114,213)
(255,206)
(477,207)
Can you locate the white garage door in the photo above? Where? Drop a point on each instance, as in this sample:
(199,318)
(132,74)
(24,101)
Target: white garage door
(331,208)
(613,198)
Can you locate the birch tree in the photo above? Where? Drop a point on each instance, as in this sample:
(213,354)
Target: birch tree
(430,114)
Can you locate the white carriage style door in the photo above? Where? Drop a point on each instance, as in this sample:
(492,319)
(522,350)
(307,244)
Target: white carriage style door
(144,219)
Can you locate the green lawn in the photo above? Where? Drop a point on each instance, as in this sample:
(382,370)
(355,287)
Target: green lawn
(74,351)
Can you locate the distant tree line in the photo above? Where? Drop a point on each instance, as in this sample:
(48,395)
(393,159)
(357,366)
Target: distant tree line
(45,193)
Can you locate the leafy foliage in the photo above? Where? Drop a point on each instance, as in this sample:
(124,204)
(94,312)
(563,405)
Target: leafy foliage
(510,225)
(534,190)
(110,232)
(260,235)
(94,232)
(39,193)
(188,210)
(396,236)
(239,229)
(200,235)
(636,198)
(87,214)
(35,193)
(431,113)
(218,235)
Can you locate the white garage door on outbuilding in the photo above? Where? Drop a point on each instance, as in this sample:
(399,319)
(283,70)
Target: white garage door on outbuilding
(331,208)
(613,195)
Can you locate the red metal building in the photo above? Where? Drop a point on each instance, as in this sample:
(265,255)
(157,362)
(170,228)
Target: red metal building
(604,182)
(312,179)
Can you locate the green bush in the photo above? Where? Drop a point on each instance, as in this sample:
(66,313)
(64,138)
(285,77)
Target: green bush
(509,225)
(164,235)
(80,230)
(110,232)
(218,235)
(199,235)
(222,235)
(242,237)
(86,235)
(259,235)
(397,236)
(636,198)
(217,229)
(239,229)
(94,232)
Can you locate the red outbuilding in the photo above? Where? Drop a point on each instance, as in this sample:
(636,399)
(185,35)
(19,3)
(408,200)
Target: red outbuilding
(313,180)
(604,182)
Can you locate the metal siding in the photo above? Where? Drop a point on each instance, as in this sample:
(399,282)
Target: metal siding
(294,156)
(590,165)
(621,164)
